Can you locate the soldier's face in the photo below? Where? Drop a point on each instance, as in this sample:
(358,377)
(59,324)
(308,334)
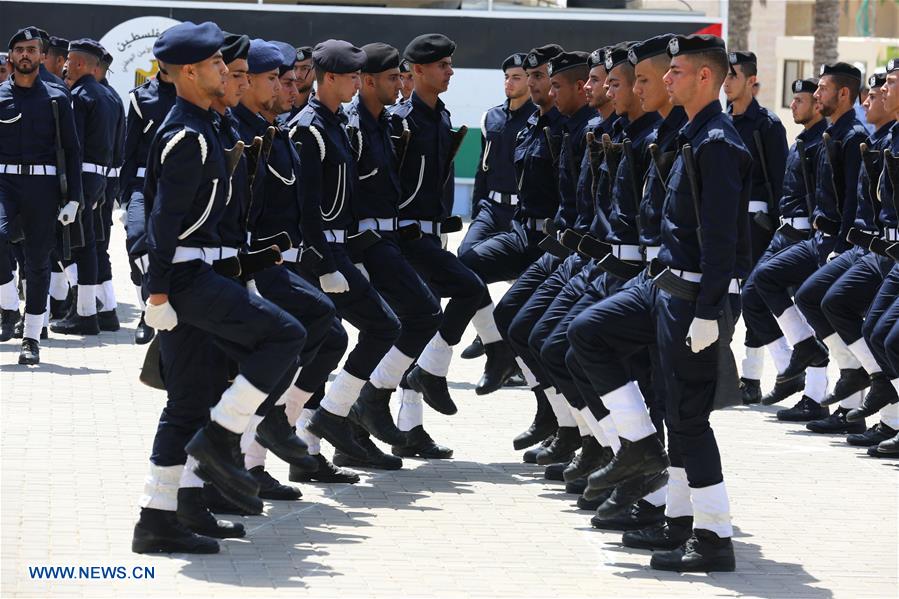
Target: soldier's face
(648,86)
(803,107)
(890,94)
(25,56)
(288,93)
(345,84)
(264,88)
(516,84)
(539,86)
(875,112)
(737,84)
(408,85)
(595,87)
(565,93)
(386,86)
(827,95)
(681,80)
(620,90)
(236,82)
(305,76)
(436,75)
(209,75)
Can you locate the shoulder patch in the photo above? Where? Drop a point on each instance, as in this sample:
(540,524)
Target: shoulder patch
(179,137)
(717,135)
(319,140)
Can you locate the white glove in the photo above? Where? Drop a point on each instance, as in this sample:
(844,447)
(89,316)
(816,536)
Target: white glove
(702,334)
(832,255)
(161,316)
(251,287)
(334,282)
(122,216)
(364,272)
(68,212)
(444,240)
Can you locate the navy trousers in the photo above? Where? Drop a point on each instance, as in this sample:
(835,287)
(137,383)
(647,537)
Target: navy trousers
(410,298)
(104,266)
(85,254)
(488,219)
(760,323)
(34,201)
(605,335)
(446,276)
(879,323)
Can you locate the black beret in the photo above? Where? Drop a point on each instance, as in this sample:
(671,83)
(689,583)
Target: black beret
(515,61)
(304,53)
(566,61)
(654,46)
(597,58)
(338,56)
(106,61)
(428,48)
(188,43)
(404,66)
(59,43)
(380,57)
(841,68)
(691,44)
(878,79)
(88,46)
(542,55)
(804,86)
(742,58)
(288,56)
(26,34)
(236,47)
(893,65)
(616,55)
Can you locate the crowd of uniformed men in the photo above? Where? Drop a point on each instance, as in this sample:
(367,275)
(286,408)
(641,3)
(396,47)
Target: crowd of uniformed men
(636,217)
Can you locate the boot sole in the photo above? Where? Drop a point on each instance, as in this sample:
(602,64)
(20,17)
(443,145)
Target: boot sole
(353,451)
(616,509)
(217,533)
(415,385)
(726,566)
(350,480)
(160,546)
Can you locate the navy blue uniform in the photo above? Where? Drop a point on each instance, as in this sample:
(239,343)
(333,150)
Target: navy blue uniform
(27,143)
(774,141)
(841,290)
(604,335)
(426,197)
(760,323)
(835,203)
(329,184)
(378,190)
(113,193)
(186,191)
(495,193)
(880,329)
(275,206)
(507,255)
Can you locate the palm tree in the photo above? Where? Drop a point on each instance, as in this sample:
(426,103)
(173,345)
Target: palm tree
(739,17)
(827,32)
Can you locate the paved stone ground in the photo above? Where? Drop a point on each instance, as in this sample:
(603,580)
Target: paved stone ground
(813,517)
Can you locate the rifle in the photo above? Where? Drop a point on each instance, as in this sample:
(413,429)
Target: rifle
(891,166)
(612,155)
(628,151)
(63,183)
(822,223)
(761,219)
(554,149)
(662,161)
(551,243)
(458,137)
(593,156)
(873,167)
(808,182)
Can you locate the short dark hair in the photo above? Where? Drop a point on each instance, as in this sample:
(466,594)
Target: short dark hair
(57,52)
(319,73)
(574,74)
(750,69)
(715,60)
(627,69)
(851,83)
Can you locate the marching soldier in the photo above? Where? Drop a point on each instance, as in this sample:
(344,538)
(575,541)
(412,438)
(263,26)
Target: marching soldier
(96,120)
(794,209)
(187,188)
(407,81)
(5,67)
(837,172)
(704,242)
(36,156)
(57,52)
(328,173)
(765,136)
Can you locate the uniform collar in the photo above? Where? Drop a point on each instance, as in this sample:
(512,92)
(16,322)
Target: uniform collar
(551,116)
(577,120)
(752,111)
(525,108)
(191,108)
(842,124)
(86,78)
(165,86)
(883,131)
(646,121)
(365,115)
(335,118)
(418,103)
(254,119)
(814,131)
(692,128)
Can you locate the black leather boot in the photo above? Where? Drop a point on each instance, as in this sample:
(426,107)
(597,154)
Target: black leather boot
(640,515)
(629,492)
(195,515)
(433,390)
(144,333)
(372,412)
(327,473)
(808,352)
(669,534)
(880,394)
(421,444)
(852,380)
(8,320)
(500,366)
(543,426)
(159,531)
(220,463)
(751,391)
(562,449)
(530,456)
(643,457)
(704,551)
(805,410)
(336,430)
(30,353)
(276,434)
(474,350)
(271,488)
(592,456)
(784,389)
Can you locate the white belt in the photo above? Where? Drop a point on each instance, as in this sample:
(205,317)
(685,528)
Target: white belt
(652,252)
(758,206)
(335,236)
(143,263)
(207,255)
(627,252)
(500,198)
(377,224)
(27,169)
(141,172)
(797,222)
(428,227)
(695,277)
(891,235)
(291,255)
(113,171)
(90,167)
